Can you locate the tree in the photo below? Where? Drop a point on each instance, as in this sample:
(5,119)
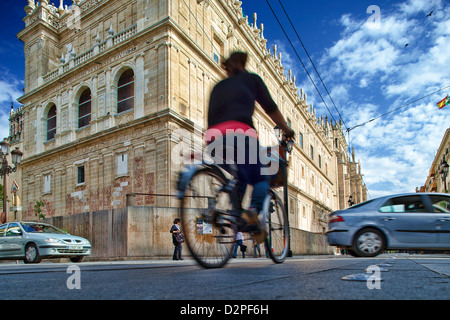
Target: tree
(39,208)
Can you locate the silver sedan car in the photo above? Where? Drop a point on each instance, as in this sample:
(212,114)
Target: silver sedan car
(412,221)
(33,241)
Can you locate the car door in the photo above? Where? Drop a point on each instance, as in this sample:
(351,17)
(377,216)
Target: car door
(409,222)
(2,239)
(13,241)
(441,208)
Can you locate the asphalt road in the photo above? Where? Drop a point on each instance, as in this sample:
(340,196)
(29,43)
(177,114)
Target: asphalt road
(401,277)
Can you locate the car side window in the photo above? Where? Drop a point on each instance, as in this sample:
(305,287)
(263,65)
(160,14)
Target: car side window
(403,204)
(2,230)
(13,230)
(440,203)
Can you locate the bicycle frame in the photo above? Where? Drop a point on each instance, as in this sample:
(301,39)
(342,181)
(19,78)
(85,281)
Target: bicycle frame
(229,218)
(231,184)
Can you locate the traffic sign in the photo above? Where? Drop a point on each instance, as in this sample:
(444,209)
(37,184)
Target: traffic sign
(14,187)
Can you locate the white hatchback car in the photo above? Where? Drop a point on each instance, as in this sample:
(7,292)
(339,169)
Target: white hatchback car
(33,241)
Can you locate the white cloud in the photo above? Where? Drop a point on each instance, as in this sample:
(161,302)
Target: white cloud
(419,6)
(372,72)
(366,52)
(379,75)
(396,153)
(10,90)
(4,124)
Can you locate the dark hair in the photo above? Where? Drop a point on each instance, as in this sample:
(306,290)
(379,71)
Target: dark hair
(176,220)
(236,58)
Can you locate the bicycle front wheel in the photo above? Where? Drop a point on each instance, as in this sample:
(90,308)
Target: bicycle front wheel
(277,227)
(205,218)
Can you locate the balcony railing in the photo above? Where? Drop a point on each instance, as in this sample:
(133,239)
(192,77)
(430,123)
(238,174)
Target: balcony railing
(100,47)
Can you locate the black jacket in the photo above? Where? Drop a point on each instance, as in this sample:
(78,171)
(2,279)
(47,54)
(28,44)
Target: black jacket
(234,99)
(174,228)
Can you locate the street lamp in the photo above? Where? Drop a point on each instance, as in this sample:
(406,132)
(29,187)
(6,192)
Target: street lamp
(277,130)
(16,156)
(289,145)
(6,169)
(444,171)
(4,146)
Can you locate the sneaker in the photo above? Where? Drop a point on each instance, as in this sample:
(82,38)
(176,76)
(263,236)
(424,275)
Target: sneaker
(254,226)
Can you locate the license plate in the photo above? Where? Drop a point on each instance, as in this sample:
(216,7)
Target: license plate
(74,247)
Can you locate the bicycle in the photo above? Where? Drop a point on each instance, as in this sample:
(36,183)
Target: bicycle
(209,203)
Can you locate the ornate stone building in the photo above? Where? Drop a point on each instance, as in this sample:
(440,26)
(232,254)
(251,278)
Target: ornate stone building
(438,179)
(15,140)
(113,87)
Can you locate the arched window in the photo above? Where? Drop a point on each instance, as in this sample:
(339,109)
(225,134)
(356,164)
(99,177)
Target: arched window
(84,109)
(51,123)
(125,91)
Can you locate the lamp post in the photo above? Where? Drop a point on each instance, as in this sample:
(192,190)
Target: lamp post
(287,148)
(444,172)
(6,169)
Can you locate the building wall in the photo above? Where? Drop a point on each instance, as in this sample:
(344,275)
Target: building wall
(174,48)
(127,233)
(435,181)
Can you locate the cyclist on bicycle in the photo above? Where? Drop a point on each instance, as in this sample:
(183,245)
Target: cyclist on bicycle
(231,107)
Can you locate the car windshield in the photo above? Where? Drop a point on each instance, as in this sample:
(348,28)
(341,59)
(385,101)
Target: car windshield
(32,227)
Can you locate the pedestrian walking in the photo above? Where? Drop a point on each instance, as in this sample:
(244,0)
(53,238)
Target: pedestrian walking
(256,247)
(239,243)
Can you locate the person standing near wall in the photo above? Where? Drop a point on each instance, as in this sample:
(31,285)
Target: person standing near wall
(175,231)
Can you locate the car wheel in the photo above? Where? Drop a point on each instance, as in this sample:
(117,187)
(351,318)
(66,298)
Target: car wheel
(31,254)
(77,259)
(368,243)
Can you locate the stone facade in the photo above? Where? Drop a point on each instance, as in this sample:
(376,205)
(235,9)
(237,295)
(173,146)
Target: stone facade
(15,138)
(436,180)
(93,155)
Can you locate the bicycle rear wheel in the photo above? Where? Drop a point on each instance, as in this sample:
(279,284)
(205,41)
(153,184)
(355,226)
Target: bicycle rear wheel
(205,218)
(277,227)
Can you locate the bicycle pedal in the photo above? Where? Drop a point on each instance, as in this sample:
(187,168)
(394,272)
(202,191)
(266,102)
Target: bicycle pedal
(250,216)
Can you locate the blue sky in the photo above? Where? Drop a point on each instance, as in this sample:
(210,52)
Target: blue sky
(369,71)
(365,66)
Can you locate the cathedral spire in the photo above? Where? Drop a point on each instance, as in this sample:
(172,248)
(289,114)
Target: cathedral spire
(61,8)
(29,8)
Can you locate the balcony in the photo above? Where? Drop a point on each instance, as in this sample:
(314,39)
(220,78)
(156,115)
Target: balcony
(99,48)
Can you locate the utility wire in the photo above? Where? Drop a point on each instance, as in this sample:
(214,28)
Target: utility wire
(401,107)
(304,67)
(312,63)
(318,74)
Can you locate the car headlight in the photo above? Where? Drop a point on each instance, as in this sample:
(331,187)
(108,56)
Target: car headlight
(85,242)
(52,240)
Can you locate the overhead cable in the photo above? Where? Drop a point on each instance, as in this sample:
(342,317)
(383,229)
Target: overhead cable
(312,63)
(303,65)
(396,109)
